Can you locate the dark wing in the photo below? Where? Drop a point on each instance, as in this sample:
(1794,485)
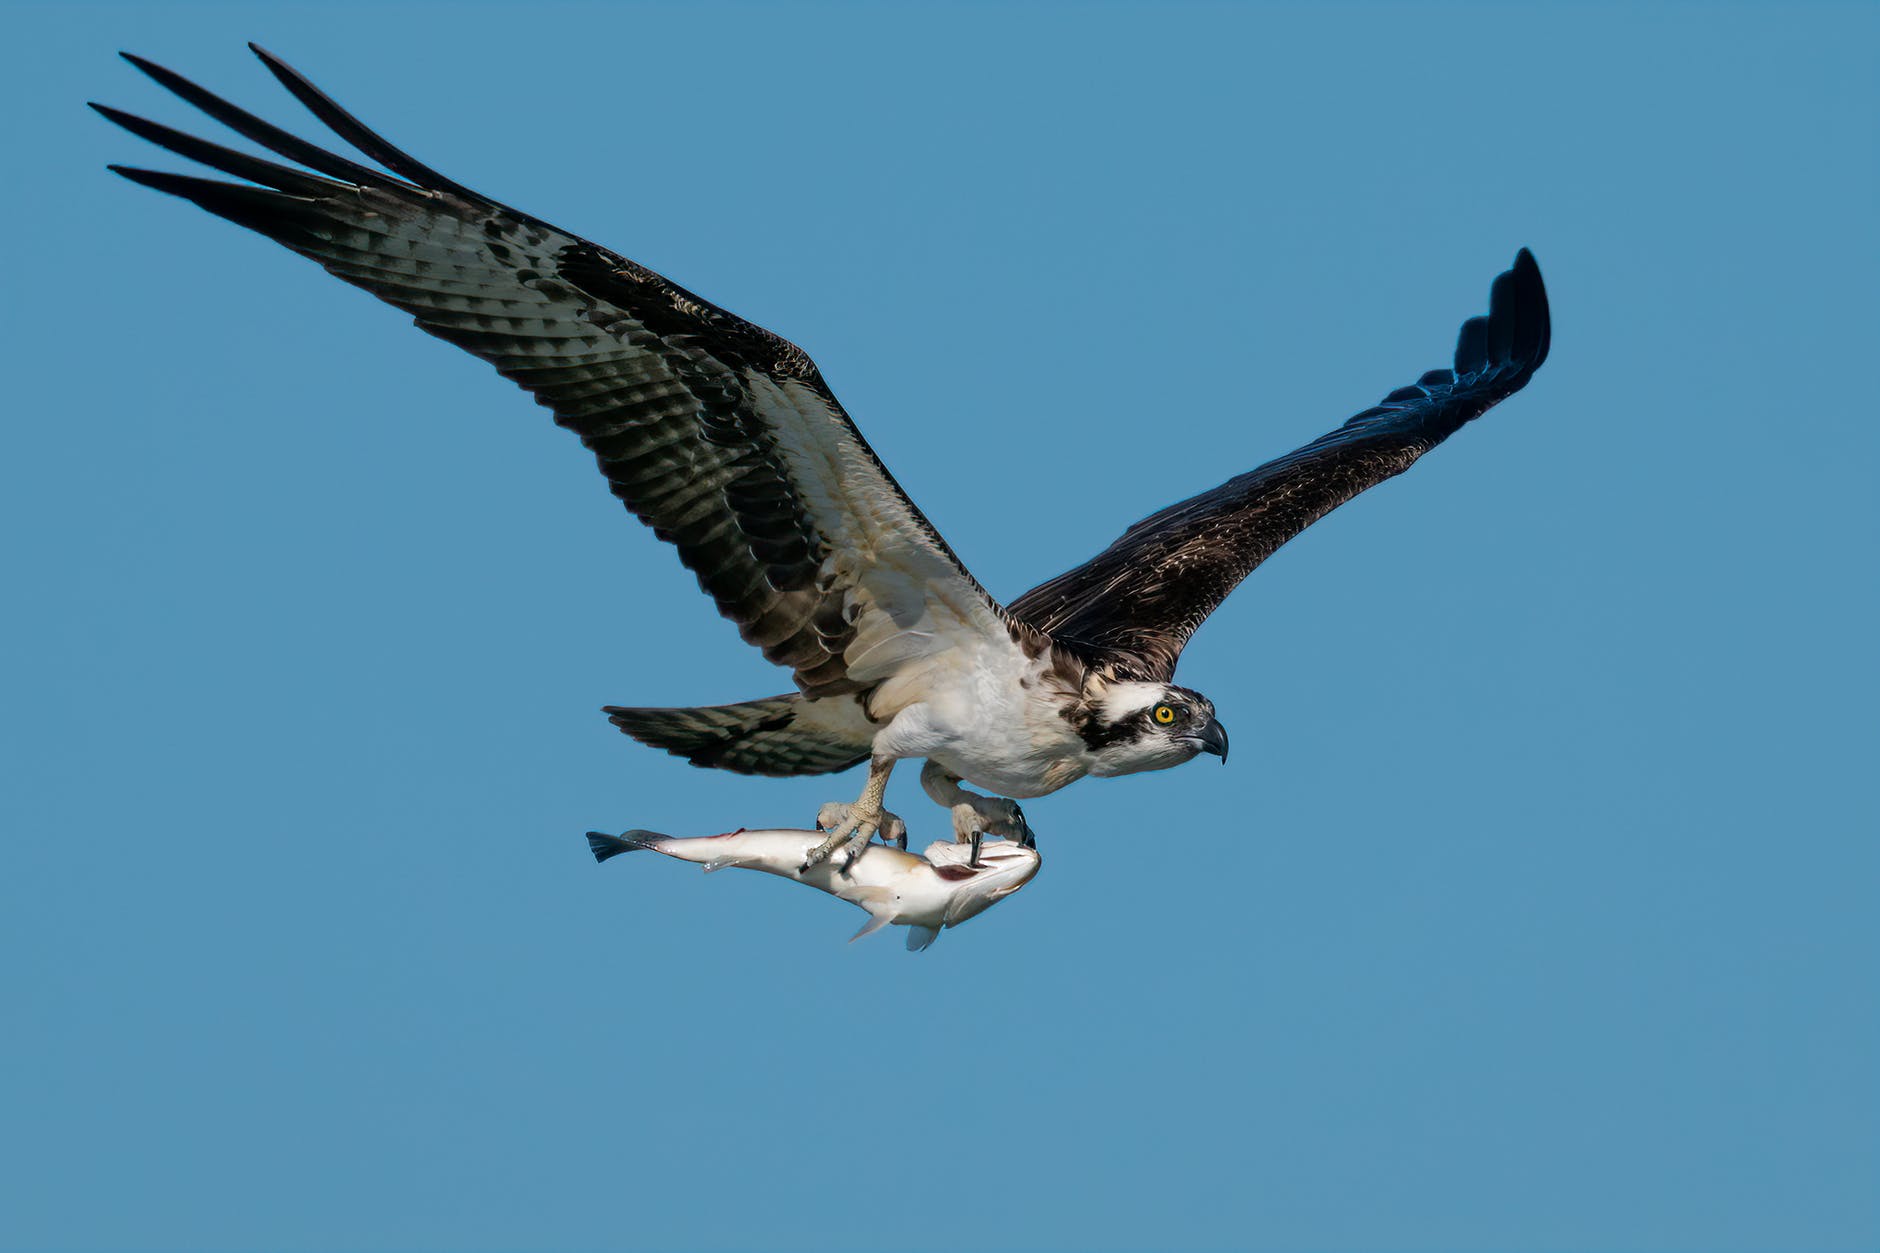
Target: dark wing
(1134,605)
(718,434)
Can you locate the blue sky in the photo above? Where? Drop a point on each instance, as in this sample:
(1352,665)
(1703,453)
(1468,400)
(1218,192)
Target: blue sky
(1533,912)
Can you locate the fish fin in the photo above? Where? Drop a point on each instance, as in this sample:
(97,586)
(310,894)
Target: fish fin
(918,937)
(604,846)
(720,863)
(875,923)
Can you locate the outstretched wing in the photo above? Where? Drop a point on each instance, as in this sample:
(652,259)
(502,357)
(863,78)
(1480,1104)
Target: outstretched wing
(1136,603)
(718,434)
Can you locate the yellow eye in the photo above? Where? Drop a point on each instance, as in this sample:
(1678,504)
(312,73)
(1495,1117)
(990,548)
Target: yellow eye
(1164,714)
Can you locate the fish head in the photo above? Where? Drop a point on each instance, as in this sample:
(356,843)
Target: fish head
(1004,867)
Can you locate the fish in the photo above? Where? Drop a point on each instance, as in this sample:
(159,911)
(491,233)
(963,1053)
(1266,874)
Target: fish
(941,888)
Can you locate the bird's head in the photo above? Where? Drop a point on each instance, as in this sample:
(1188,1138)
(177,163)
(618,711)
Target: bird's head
(1132,726)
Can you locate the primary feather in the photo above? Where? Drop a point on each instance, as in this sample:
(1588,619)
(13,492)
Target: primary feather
(1137,602)
(725,439)
(718,434)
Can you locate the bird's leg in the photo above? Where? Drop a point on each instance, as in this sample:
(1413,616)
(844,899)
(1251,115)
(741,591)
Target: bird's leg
(835,813)
(854,824)
(974,816)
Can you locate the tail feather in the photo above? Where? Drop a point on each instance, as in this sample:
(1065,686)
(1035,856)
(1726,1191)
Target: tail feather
(779,735)
(604,846)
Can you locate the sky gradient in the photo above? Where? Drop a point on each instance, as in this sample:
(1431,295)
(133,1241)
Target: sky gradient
(1534,910)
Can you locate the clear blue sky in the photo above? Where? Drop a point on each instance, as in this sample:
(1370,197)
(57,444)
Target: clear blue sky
(1535,910)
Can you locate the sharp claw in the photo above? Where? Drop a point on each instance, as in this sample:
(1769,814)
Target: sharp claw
(857,845)
(822,852)
(973,861)
(892,830)
(1025,837)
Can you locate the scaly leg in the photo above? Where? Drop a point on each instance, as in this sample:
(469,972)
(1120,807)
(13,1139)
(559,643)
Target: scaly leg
(835,813)
(864,818)
(975,816)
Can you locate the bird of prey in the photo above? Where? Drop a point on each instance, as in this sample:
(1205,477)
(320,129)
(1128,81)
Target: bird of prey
(725,439)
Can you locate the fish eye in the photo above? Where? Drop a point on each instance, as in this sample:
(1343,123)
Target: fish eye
(1164,714)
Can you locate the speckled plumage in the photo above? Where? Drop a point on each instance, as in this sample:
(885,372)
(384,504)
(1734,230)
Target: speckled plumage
(724,438)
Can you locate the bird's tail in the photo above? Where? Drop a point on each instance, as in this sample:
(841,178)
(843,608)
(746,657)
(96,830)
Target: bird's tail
(605,846)
(778,735)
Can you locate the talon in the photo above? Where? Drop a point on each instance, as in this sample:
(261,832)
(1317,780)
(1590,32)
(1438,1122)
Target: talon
(972,861)
(835,840)
(857,845)
(894,831)
(849,831)
(975,816)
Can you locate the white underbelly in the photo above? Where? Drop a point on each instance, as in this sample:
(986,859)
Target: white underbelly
(1011,743)
(996,726)
(1002,776)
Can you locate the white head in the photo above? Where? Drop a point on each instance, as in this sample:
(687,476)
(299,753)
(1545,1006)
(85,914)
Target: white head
(1131,726)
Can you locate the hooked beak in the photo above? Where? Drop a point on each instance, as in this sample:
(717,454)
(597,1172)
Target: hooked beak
(1213,739)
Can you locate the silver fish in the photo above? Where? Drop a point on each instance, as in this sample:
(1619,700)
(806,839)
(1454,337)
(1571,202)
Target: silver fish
(941,888)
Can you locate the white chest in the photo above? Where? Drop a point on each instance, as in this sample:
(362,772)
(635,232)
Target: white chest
(997,727)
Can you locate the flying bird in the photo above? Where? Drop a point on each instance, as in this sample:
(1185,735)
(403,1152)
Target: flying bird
(726,440)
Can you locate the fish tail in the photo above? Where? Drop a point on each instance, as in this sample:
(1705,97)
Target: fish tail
(605,846)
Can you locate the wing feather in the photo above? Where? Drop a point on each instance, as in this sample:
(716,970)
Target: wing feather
(1133,607)
(716,433)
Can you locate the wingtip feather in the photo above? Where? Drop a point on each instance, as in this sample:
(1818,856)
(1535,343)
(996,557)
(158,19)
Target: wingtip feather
(1529,316)
(275,64)
(342,123)
(142,177)
(163,74)
(1516,331)
(217,157)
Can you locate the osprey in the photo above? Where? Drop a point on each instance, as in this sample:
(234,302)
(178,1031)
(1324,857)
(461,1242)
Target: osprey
(725,439)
